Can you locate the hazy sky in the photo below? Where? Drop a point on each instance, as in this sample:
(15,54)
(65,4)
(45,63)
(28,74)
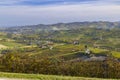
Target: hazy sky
(25,12)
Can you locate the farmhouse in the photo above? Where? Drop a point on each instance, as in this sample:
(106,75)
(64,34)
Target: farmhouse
(76,42)
(87,51)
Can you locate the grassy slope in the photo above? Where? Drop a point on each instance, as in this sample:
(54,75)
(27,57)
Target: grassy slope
(44,77)
(5,42)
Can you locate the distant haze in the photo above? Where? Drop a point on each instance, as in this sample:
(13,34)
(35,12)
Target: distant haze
(28,12)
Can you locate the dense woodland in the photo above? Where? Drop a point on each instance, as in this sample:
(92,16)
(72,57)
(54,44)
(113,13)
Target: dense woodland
(15,63)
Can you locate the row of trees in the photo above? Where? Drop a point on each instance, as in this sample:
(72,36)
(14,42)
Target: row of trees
(21,64)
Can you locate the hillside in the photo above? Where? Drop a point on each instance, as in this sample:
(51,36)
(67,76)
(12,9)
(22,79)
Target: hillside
(62,26)
(92,48)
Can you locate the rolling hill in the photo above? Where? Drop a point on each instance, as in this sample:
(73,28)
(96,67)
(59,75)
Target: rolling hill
(92,48)
(63,26)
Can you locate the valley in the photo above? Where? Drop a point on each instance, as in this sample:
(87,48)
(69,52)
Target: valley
(70,49)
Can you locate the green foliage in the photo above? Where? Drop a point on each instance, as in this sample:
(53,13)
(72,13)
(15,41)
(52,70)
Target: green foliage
(21,64)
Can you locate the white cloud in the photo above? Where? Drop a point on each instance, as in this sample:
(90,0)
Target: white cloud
(20,15)
(5,2)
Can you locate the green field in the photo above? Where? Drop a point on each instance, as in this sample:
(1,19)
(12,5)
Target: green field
(44,77)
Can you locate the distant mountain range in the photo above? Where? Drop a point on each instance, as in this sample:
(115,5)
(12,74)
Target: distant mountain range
(63,26)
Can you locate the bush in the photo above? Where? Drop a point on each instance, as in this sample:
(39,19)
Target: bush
(15,63)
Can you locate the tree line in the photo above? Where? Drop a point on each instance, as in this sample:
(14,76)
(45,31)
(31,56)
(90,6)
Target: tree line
(21,64)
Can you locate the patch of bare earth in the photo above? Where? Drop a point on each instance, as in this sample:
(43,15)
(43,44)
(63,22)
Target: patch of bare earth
(2,46)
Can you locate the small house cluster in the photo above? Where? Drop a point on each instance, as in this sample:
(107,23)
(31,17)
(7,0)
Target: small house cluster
(47,44)
(75,42)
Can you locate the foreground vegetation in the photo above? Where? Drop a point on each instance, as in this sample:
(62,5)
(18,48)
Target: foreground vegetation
(44,77)
(109,68)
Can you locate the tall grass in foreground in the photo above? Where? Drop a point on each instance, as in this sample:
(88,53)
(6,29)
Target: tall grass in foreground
(45,77)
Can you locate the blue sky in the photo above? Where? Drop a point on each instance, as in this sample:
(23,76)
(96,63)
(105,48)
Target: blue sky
(40,2)
(27,12)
